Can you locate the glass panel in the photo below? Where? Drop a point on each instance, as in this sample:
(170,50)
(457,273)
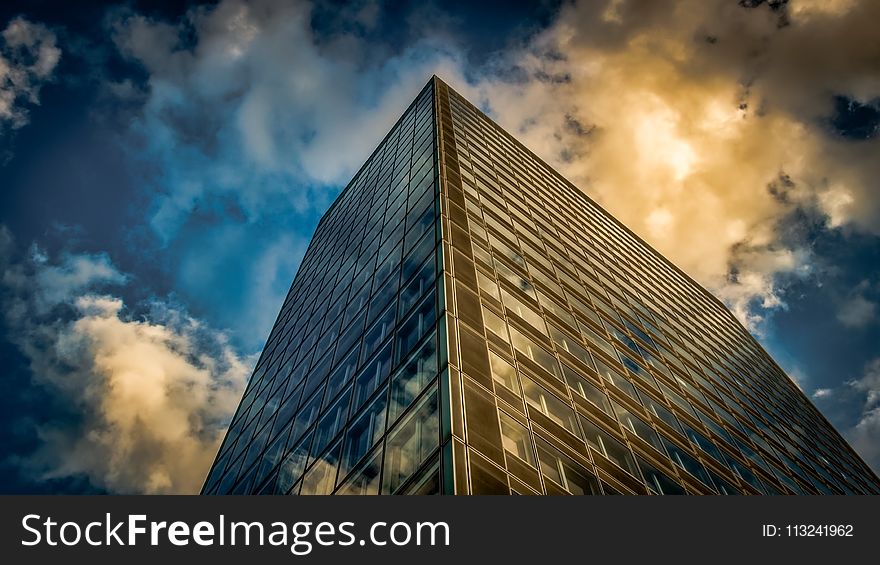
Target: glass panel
(365,480)
(658,482)
(331,423)
(420,322)
(373,375)
(516,439)
(364,431)
(586,389)
(321,476)
(412,441)
(409,381)
(534,352)
(503,372)
(527,313)
(560,469)
(293,465)
(538,398)
(638,426)
(609,447)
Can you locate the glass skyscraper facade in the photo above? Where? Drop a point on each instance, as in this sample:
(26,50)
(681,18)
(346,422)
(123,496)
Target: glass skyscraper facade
(465,321)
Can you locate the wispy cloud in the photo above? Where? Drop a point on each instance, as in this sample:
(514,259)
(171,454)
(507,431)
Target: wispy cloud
(856,310)
(246,102)
(252,122)
(864,435)
(150,395)
(28,57)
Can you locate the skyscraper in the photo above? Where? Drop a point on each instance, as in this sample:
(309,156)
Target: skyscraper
(467,321)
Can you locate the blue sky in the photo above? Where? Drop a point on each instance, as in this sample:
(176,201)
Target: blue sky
(164,164)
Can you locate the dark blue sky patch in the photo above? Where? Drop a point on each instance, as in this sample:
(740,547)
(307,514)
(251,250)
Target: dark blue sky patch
(855,120)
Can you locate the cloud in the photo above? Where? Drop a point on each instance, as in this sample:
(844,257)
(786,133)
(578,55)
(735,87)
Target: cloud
(865,435)
(704,127)
(856,310)
(252,122)
(28,57)
(148,396)
(246,101)
(822,393)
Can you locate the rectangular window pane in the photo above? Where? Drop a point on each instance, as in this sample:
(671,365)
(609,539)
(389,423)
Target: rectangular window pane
(535,352)
(363,433)
(415,374)
(609,447)
(411,443)
(584,388)
(548,404)
(516,439)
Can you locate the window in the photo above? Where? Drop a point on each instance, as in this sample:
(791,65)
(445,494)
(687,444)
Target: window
(293,465)
(409,381)
(661,412)
(560,469)
(700,441)
(495,324)
(548,404)
(503,372)
(321,476)
(586,389)
(488,286)
(365,480)
(567,343)
(527,313)
(659,483)
(341,376)
(638,426)
(616,380)
(515,279)
(383,297)
(596,340)
(412,441)
(684,460)
(416,326)
(516,439)
(377,333)
(331,423)
(553,307)
(363,433)
(306,416)
(534,352)
(609,447)
(414,290)
(373,375)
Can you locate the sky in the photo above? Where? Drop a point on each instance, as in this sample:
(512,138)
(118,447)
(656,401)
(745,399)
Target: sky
(163,165)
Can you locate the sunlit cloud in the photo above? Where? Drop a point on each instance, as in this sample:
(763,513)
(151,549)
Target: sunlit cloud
(28,57)
(703,126)
(149,395)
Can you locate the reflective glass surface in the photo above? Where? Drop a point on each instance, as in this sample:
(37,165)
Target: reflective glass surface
(466,321)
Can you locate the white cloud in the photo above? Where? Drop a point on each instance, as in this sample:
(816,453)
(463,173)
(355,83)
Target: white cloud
(865,435)
(28,57)
(259,109)
(822,393)
(702,127)
(151,395)
(856,310)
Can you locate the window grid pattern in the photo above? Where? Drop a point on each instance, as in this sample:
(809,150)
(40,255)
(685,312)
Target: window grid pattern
(587,363)
(466,321)
(345,396)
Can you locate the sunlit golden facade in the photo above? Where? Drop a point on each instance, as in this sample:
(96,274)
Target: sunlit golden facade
(466,321)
